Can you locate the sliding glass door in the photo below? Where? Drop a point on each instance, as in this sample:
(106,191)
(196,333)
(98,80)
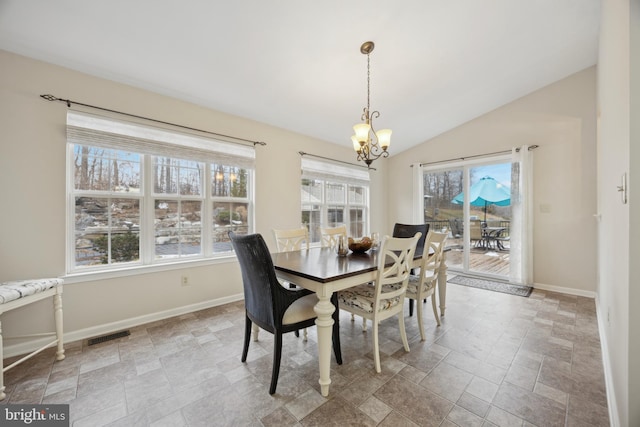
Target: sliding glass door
(440,188)
(472,200)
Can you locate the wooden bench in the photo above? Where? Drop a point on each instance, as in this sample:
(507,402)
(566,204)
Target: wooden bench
(17,294)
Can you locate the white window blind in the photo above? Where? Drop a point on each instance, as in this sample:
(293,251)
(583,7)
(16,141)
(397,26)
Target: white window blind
(316,169)
(87,129)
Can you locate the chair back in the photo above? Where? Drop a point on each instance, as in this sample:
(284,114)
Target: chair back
(475,230)
(399,250)
(456,227)
(331,235)
(409,230)
(258,276)
(291,239)
(431,263)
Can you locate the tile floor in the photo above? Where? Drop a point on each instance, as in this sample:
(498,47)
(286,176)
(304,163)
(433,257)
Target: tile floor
(497,360)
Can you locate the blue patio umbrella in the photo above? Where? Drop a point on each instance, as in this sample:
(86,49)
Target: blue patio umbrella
(487,191)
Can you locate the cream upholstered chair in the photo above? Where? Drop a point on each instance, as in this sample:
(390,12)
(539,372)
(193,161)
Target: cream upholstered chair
(423,285)
(330,235)
(292,239)
(329,238)
(385,298)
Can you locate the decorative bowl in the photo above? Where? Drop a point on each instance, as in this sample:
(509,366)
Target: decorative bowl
(361,245)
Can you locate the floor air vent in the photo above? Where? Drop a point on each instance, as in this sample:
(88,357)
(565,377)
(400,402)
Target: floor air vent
(109,337)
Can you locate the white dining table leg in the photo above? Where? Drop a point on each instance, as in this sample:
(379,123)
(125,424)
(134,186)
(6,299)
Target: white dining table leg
(324,322)
(442,283)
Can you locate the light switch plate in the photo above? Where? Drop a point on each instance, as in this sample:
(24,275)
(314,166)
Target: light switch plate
(622,188)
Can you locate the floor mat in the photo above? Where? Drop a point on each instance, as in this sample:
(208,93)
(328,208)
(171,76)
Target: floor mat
(507,288)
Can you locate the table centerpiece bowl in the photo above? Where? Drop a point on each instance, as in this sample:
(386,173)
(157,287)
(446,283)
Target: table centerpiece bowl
(360,245)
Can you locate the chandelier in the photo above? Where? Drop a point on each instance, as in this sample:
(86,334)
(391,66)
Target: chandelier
(367,142)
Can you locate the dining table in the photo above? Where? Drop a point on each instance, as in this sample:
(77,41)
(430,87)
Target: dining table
(323,271)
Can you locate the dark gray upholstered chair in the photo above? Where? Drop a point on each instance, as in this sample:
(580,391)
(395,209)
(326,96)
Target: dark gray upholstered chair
(409,230)
(271,306)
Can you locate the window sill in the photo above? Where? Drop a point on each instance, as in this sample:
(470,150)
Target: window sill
(80,277)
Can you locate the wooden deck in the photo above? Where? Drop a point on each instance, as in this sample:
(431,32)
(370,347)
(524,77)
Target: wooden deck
(487,261)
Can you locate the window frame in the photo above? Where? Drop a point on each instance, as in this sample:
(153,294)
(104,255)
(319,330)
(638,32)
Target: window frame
(465,167)
(148,260)
(331,174)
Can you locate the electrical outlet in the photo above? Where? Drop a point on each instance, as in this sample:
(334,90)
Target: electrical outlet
(184,281)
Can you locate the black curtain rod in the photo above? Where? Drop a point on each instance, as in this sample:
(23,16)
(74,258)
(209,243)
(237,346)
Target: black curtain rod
(302,153)
(531,147)
(69,102)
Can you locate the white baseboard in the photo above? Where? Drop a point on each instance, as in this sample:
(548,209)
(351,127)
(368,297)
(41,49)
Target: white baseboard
(614,420)
(563,290)
(107,328)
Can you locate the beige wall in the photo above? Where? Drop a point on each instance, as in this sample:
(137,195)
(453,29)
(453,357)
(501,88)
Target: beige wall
(560,118)
(32,171)
(619,230)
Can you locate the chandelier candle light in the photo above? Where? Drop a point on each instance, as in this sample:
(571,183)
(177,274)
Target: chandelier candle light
(369,144)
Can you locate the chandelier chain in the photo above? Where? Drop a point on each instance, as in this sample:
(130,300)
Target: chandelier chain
(368,83)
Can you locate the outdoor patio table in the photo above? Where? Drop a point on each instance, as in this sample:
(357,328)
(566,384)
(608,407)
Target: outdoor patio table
(490,234)
(324,272)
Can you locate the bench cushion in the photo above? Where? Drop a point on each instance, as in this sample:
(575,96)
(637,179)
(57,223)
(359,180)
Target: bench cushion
(14,290)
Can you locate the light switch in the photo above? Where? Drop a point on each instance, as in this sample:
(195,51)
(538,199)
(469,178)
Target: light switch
(622,188)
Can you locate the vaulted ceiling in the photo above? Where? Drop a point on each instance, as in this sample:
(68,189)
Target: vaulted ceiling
(297,64)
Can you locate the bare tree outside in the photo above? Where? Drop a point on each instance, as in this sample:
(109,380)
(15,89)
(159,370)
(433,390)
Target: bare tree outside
(108,197)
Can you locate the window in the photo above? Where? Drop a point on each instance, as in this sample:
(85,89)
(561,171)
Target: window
(333,195)
(142,196)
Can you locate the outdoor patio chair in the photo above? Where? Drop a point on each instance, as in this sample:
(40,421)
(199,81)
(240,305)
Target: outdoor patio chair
(456,227)
(502,238)
(475,233)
